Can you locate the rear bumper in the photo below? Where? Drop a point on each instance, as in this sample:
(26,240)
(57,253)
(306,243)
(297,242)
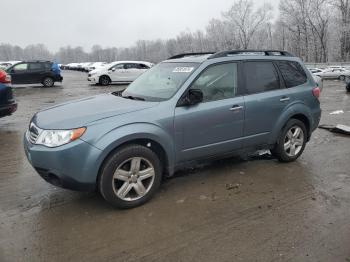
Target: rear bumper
(317,118)
(6,110)
(58,78)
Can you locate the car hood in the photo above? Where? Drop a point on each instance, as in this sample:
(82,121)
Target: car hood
(78,113)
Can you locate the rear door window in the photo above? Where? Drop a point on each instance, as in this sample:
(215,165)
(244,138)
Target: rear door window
(260,76)
(292,72)
(35,66)
(131,66)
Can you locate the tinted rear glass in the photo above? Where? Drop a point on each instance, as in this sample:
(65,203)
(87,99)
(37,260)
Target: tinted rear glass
(35,66)
(260,77)
(292,72)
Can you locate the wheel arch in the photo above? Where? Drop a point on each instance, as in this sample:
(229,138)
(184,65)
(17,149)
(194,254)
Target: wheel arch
(299,112)
(149,143)
(152,137)
(104,75)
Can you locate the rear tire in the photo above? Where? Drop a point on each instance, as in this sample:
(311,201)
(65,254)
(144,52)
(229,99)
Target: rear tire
(104,80)
(291,142)
(341,78)
(348,87)
(130,176)
(48,82)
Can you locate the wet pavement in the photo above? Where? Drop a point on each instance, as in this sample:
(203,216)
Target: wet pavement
(228,210)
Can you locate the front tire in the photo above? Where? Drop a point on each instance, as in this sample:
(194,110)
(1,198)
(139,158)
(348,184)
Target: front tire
(291,142)
(130,176)
(341,78)
(48,82)
(104,80)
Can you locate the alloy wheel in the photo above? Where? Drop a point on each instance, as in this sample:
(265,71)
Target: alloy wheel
(48,82)
(133,179)
(294,141)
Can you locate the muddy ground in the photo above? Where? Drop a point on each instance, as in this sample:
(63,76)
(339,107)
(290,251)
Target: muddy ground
(229,210)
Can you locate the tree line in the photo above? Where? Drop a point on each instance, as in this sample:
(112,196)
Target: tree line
(315,30)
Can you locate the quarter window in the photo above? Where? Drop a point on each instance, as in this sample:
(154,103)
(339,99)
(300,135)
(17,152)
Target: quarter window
(142,66)
(217,82)
(260,77)
(292,72)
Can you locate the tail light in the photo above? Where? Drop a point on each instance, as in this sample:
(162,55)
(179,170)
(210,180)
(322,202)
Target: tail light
(316,92)
(4,78)
(7,79)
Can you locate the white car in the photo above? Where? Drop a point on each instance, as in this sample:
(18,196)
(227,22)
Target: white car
(315,70)
(72,66)
(119,72)
(334,73)
(85,66)
(96,65)
(4,65)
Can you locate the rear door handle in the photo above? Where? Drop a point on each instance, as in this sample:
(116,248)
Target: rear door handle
(284,99)
(236,108)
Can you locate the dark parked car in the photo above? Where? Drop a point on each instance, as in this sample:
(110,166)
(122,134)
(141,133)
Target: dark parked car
(192,107)
(33,72)
(8,104)
(347,82)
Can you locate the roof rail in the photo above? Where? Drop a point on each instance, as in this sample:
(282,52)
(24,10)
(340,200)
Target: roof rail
(190,54)
(250,52)
(36,61)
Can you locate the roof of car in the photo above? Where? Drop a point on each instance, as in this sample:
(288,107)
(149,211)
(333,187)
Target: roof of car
(231,55)
(36,61)
(136,62)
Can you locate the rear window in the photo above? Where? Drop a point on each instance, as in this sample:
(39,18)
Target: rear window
(292,72)
(260,77)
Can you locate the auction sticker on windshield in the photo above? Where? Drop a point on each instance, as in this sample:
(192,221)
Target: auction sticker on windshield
(183,69)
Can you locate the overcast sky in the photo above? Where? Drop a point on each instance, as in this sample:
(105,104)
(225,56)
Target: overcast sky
(118,23)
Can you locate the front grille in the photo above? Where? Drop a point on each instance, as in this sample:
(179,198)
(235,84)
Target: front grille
(33,133)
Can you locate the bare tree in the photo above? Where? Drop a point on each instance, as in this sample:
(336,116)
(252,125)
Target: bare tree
(246,20)
(318,18)
(343,7)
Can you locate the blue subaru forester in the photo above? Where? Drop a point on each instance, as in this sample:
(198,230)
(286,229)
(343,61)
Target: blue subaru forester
(188,108)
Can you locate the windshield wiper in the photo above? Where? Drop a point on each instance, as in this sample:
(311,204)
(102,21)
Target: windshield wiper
(134,98)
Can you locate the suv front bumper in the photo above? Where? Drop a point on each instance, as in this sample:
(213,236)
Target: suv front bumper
(93,79)
(71,166)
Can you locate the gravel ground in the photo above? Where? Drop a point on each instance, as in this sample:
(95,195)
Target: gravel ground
(228,210)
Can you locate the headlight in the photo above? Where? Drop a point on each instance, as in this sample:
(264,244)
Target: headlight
(54,138)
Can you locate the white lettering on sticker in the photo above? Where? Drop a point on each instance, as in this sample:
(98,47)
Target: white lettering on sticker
(183,70)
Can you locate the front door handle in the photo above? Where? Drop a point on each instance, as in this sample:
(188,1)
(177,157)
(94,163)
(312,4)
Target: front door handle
(284,99)
(236,108)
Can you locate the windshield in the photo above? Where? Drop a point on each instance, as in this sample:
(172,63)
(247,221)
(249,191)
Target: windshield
(161,81)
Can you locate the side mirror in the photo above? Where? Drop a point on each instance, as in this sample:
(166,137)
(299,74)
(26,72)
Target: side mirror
(193,97)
